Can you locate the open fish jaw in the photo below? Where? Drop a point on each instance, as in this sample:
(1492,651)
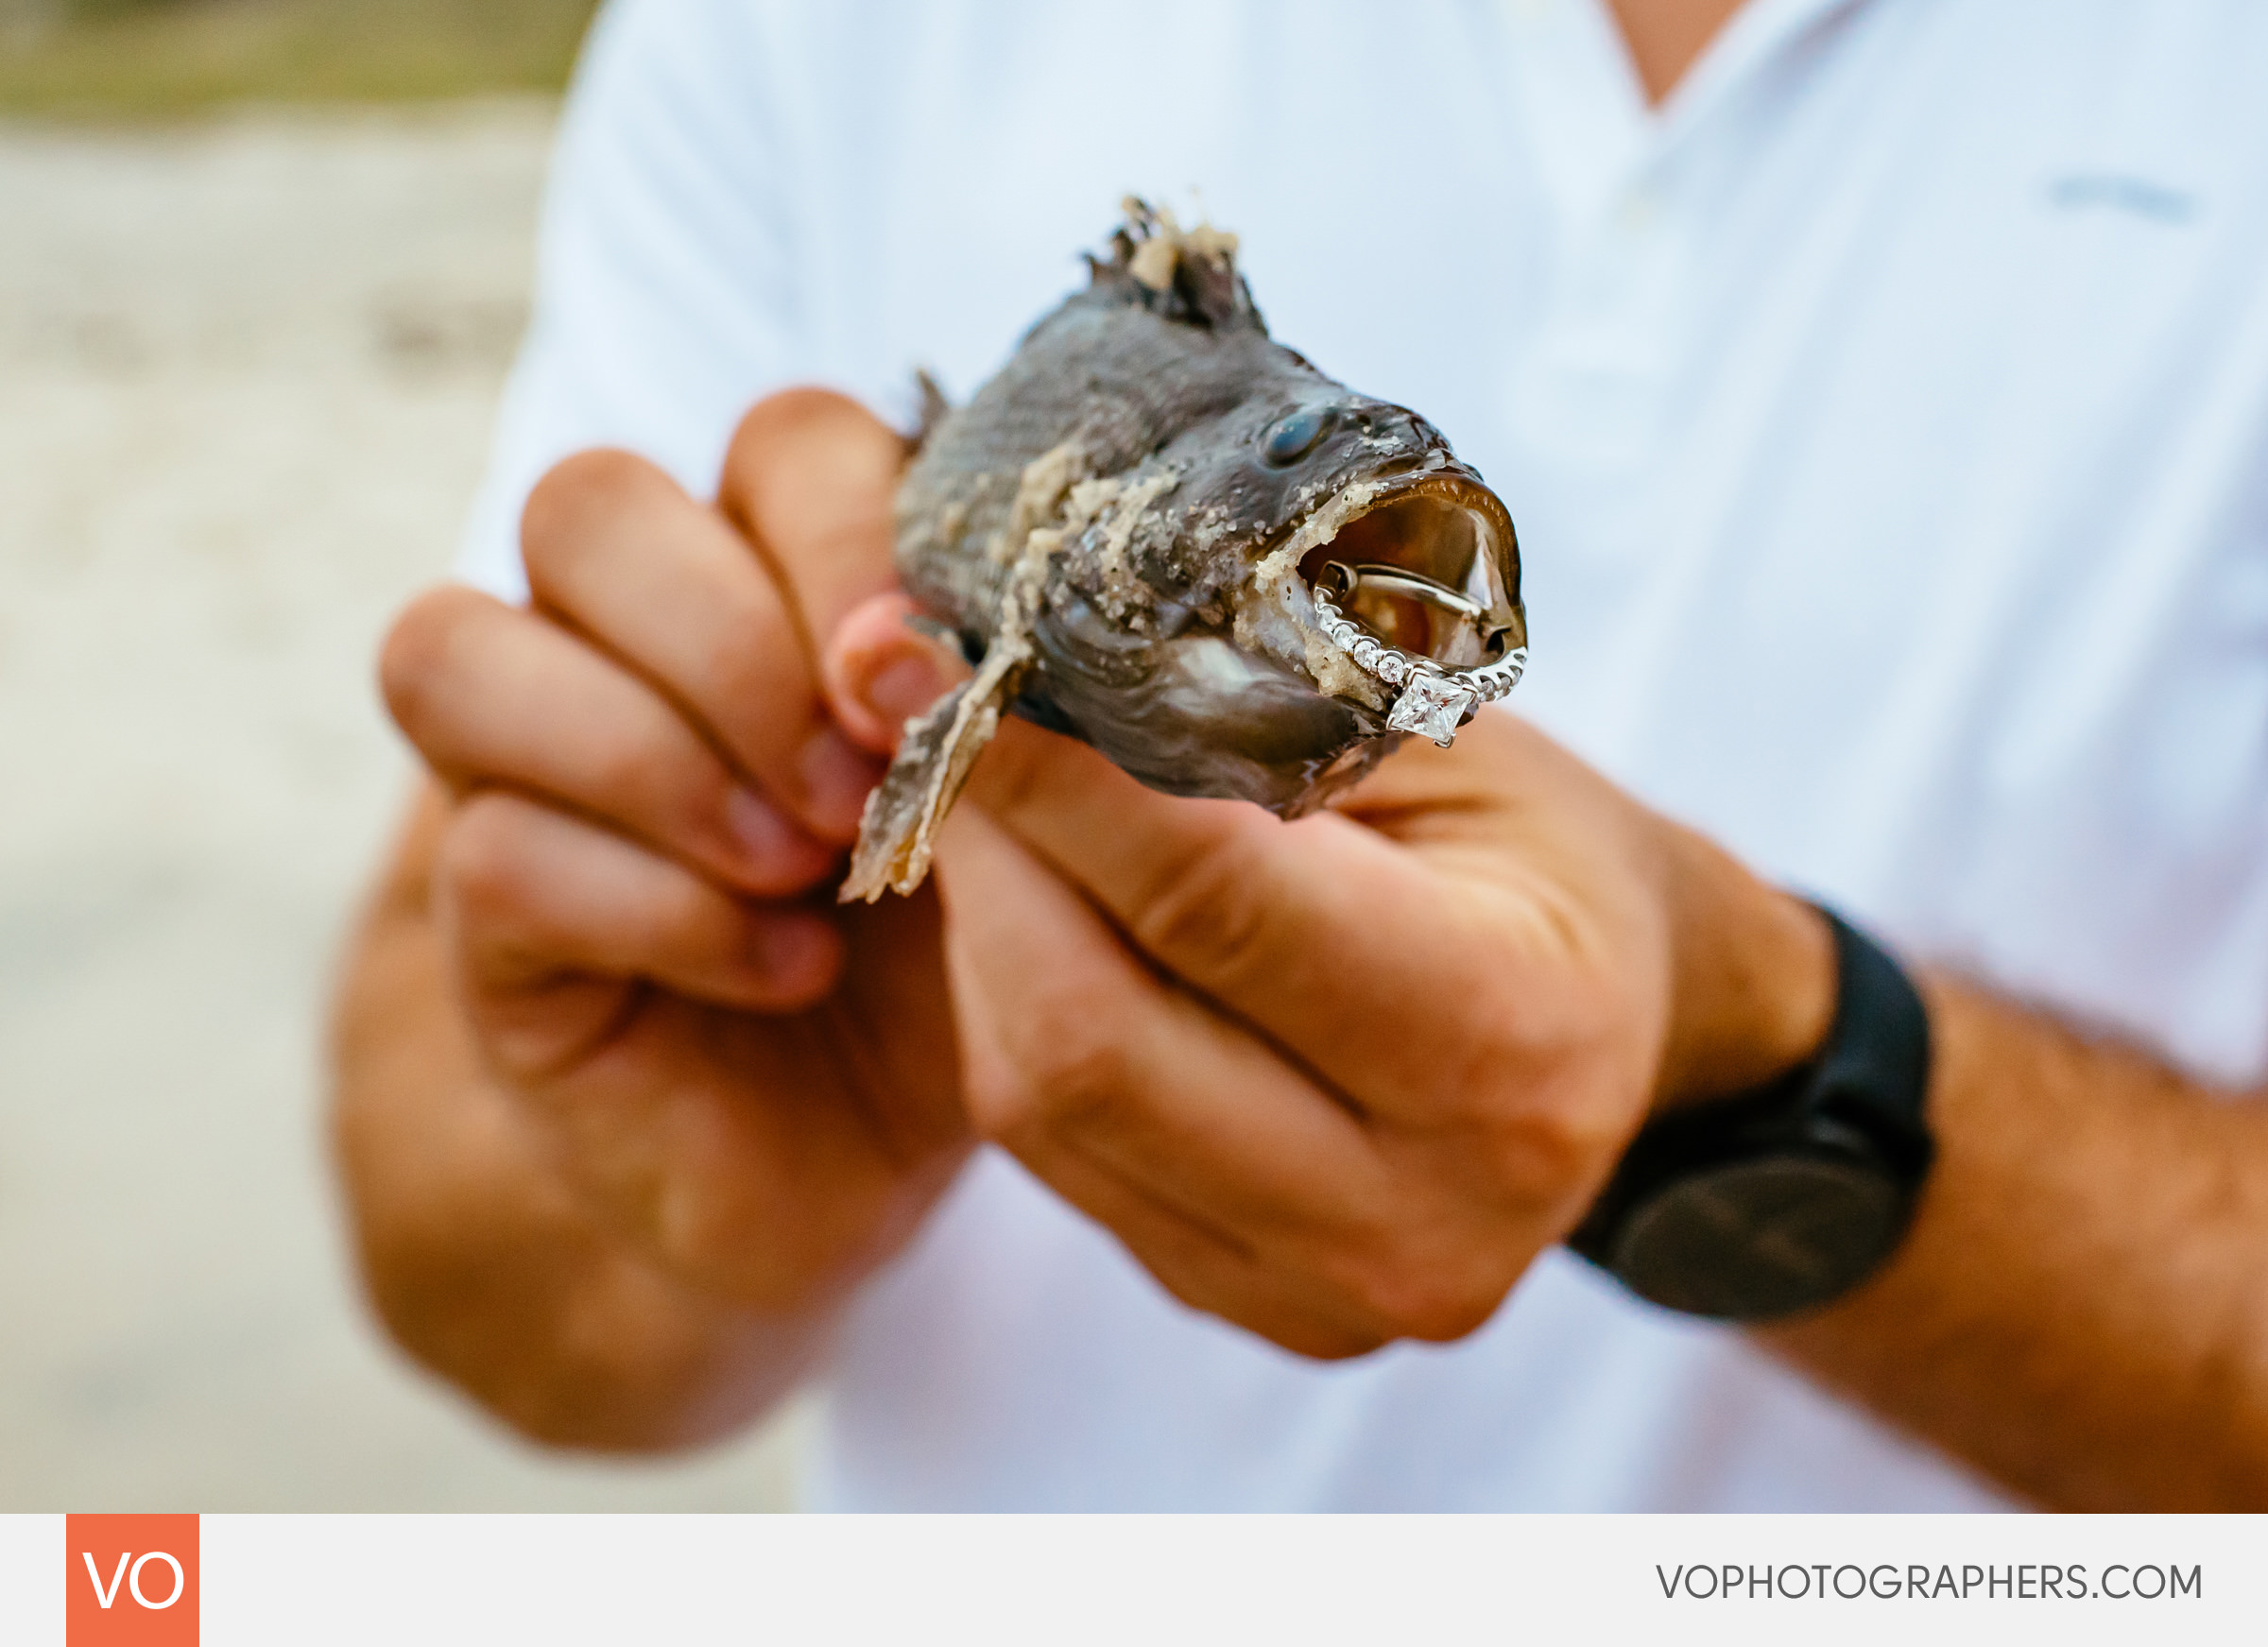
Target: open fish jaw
(1436,521)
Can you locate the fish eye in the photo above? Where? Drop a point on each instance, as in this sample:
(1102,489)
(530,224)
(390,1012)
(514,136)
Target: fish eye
(1290,439)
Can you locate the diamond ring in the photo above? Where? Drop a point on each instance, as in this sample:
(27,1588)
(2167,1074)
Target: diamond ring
(1434,701)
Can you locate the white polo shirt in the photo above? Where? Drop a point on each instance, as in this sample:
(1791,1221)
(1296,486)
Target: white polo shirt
(1887,423)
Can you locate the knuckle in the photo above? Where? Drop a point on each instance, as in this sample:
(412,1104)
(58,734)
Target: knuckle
(483,860)
(1406,1293)
(793,417)
(1545,1102)
(1076,1074)
(1569,1143)
(1445,1319)
(785,411)
(1057,1079)
(645,774)
(1332,1344)
(1557,1129)
(1211,908)
(675,920)
(414,659)
(578,489)
(812,463)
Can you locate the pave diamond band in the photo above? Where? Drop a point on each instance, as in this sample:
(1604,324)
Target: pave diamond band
(1434,701)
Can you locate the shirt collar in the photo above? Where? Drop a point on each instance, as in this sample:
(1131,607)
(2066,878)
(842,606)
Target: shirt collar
(1752,38)
(1588,123)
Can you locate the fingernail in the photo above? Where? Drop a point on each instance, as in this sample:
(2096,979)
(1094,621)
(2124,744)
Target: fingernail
(836,778)
(906,687)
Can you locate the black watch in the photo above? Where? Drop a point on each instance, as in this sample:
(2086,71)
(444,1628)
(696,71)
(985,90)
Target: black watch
(1771,1202)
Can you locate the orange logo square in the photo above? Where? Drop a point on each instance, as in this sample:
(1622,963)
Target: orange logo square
(131,1581)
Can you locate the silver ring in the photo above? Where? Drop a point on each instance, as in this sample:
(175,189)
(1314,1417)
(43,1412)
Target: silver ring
(1435,701)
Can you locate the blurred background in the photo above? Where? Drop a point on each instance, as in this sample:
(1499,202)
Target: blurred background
(263,265)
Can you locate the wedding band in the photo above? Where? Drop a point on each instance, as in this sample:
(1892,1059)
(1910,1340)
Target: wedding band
(1435,701)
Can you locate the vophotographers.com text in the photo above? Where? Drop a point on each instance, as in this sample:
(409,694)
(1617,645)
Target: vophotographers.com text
(1886,1581)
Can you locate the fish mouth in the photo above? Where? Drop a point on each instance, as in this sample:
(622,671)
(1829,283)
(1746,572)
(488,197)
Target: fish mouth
(1425,560)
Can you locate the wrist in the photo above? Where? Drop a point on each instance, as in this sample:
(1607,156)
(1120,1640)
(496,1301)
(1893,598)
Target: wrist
(1784,1198)
(1752,977)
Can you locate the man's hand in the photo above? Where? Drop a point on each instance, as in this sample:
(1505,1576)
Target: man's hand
(748,1094)
(1341,1080)
(627,1108)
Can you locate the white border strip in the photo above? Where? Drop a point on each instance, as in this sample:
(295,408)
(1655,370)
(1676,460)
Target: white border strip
(435,1581)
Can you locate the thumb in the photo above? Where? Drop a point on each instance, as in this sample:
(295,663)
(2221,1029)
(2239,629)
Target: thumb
(878,671)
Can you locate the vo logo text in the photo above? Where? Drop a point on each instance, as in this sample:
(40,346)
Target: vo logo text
(131,1581)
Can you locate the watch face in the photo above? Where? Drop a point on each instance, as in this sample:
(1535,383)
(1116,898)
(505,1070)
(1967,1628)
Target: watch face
(1755,1238)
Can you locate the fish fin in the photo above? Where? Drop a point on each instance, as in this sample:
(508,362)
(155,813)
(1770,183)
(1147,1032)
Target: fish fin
(1181,274)
(900,824)
(897,830)
(932,408)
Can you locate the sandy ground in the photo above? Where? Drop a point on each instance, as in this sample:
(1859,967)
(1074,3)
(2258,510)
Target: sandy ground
(246,377)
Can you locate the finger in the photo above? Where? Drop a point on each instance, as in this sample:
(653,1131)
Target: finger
(1395,983)
(534,898)
(809,479)
(879,671)
(615,549)
(493,694)
(1268,1281)
(1073,1049)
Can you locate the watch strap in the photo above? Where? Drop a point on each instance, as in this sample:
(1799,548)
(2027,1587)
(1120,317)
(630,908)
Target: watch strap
(1782,1199)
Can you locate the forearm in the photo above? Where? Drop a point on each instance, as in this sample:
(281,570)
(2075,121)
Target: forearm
(478,1257)
(2081,1307)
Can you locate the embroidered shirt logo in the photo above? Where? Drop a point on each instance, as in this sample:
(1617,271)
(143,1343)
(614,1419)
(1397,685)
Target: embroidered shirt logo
(2121,192)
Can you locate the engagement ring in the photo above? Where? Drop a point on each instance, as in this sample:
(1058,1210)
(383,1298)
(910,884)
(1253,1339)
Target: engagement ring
(1435,701)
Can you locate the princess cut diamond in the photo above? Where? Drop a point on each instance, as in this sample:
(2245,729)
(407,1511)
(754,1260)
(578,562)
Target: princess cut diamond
(1433,705)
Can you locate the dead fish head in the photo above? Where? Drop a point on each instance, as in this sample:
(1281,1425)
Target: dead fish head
(1339,478)
(1217,677)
